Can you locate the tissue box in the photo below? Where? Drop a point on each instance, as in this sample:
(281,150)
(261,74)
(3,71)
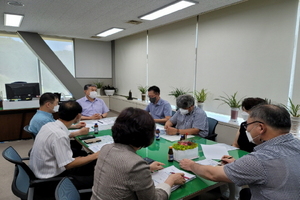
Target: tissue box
(189,153)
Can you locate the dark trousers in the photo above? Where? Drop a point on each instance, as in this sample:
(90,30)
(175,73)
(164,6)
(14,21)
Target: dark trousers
(245,194)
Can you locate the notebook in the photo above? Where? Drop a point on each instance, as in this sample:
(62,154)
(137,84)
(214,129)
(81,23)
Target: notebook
(161,175)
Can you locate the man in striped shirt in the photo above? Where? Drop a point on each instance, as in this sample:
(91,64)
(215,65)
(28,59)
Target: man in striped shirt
(51,153)
(271,171)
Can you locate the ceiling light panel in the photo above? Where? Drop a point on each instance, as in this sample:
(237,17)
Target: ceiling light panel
(179,5)
(12,20)
(110,32)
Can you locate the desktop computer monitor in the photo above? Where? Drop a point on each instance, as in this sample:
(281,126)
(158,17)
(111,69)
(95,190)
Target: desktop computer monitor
(22,90)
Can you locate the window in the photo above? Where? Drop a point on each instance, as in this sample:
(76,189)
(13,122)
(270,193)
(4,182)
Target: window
(18,63)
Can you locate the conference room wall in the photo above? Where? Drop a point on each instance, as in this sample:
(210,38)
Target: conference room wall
(131,64)
(246,48)
(172,57)
(296,77)
(93,59)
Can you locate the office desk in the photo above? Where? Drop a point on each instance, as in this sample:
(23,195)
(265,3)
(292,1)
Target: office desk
(159,151)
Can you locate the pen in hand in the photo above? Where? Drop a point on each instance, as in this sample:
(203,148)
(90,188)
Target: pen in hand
(183,176)
(226,158)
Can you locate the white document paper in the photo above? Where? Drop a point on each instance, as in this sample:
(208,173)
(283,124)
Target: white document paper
(107,121)
(107,139)
(173,138)
(214,151)
(160,176)
(228,147)
(208,162)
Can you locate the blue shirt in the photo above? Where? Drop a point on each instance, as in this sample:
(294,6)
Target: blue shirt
(40,119)
(90,108)
(195,119)
(271,171)
(159,110)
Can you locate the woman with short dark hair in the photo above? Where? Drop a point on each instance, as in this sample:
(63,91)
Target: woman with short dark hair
(122,174)
(241,140)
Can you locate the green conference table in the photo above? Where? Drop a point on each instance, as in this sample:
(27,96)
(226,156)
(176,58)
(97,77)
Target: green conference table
(158,151)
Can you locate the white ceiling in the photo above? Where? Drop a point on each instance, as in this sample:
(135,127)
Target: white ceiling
(85,18)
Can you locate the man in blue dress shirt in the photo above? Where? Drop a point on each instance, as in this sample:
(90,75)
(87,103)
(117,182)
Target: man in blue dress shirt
(158,108)
(92,107)
(49,105)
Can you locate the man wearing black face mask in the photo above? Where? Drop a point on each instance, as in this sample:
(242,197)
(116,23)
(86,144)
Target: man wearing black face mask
(158,108)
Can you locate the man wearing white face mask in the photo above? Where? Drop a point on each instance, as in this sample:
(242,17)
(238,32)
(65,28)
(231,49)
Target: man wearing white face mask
(189,119)
(271,170)
(92,107)
(49,105)
(241,140)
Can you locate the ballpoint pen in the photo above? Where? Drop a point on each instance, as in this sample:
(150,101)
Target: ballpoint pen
(227,158)
(183,176)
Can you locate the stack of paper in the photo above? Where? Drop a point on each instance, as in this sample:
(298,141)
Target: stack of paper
(107,139)
(208,162)
(161,176)
(214,151)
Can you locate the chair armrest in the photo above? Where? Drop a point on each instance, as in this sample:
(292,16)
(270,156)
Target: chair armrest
(211,137)
(45,181)
(25,158)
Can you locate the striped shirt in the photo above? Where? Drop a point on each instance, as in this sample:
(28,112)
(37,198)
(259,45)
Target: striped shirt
(51,150)
(271,171)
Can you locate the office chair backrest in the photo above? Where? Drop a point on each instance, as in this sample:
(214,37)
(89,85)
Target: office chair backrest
(22,174)
(12,155)
(212,123)
(26,128)
(21,182)
(66,190)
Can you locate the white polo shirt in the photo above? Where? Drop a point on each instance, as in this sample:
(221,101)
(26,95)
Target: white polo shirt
(51,150)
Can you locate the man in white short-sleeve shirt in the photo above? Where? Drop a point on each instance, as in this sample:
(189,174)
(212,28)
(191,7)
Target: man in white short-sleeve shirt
(51,153)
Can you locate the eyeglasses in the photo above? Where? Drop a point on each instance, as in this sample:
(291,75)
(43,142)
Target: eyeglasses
(246,125)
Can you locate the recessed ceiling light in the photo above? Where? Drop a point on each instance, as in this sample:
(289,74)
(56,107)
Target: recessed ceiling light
(110,32)
(13,20)
(14,3)
(178,5)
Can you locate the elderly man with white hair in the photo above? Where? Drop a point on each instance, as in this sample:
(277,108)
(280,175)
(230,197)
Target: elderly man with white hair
(189,119)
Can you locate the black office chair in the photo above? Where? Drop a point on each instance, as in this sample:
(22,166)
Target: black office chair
(25,183)
(212,123)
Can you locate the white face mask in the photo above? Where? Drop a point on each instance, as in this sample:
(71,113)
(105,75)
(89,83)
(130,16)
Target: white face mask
(55,109)
(245,115)
(183,111)
(93,94)
(249,136)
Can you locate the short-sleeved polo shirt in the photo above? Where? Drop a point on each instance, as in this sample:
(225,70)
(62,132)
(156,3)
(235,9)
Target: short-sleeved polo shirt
(159,110)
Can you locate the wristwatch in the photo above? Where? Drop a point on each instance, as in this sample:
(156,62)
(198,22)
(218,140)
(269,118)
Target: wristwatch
(177,132)
(102,116)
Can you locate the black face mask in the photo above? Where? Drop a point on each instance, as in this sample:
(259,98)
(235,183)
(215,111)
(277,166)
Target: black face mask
(152,100)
